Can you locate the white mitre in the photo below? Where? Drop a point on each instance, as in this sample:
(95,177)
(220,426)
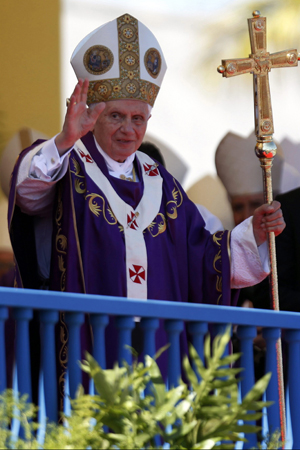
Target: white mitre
(122,59)
(22,139)
(290,178)
(239,169)
(291,152)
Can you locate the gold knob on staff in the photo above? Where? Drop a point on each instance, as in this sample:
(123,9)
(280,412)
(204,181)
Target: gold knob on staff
(256,13)
(221,69)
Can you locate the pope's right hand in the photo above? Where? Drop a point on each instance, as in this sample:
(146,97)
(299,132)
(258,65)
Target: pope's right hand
(79,118)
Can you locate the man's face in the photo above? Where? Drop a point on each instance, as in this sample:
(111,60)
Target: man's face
(243,206)
(121,127)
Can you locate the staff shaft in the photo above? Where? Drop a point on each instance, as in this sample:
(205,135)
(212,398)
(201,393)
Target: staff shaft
(266,165)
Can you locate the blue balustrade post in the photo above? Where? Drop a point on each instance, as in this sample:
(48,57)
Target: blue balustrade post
(99,322)
(48,320)
(246,334)
(125,325)
(149,326)
(293,339)
(271,335)
(198,330)
(74,322)
(173,329)
(3,317)
(22,317)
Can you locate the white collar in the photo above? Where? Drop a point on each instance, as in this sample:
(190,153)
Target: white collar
(114,167)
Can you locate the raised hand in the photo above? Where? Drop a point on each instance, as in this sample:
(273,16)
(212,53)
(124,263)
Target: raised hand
(79,119)
(267,218)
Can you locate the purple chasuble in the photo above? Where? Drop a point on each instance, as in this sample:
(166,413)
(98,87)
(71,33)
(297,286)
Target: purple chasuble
(185,262)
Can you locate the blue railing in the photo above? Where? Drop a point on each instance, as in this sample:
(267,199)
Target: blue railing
(196,317)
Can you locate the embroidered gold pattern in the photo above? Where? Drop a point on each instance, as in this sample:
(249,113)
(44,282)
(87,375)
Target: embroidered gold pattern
(77,169)
(80,187)
(219,284)
(217,238)
(157,226)
(216,259)
(173,205)
(80,184)
(129,84)
(96,208)
(61,242)
(161,226)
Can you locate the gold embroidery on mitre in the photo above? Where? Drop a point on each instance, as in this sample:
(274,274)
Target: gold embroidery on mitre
(129,84)
(152,61)
(98,59)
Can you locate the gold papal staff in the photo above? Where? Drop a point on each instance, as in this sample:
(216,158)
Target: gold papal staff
(259,63)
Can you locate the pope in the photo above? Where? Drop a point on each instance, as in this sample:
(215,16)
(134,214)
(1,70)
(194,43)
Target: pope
(102,218)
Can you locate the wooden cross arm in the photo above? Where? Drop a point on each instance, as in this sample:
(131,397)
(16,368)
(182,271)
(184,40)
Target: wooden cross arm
(237,66)
(286,58)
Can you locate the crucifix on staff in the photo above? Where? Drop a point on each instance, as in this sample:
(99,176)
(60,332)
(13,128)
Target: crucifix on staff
(259,63)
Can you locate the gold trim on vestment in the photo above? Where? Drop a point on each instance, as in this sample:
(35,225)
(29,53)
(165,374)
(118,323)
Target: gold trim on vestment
(217,239)
(173,203)
(61,241)
(76,231)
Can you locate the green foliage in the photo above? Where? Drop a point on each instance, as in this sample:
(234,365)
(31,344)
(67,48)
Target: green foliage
(121,416)
(11,408)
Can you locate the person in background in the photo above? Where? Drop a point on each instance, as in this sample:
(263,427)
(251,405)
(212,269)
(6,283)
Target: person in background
(239,170)
(288,253)
(241,174)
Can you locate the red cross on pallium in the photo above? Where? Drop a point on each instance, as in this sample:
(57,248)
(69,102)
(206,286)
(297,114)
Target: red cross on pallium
(151,170)
(131,221)
(137,274)
(88,158)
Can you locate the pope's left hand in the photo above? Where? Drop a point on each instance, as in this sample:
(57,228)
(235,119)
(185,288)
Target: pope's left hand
(267,218)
